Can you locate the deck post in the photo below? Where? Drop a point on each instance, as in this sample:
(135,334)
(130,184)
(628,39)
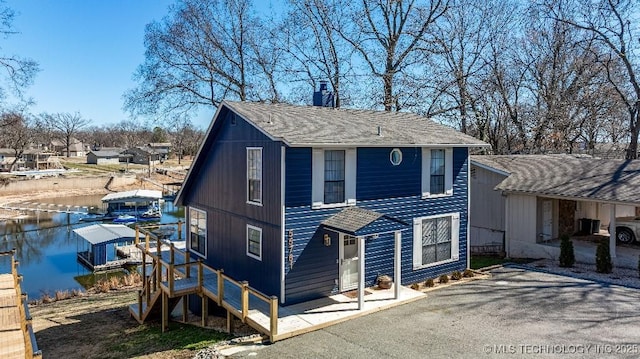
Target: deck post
(165,311)
(185,308)
(137,240)
(205,310)
(220,286)
(187,270)
(158,274)
(170,278)
(397,265)
(244,300)
(144,268)
(146,242)
(360,273)
(200,275)
(159,248)
(171,253)
(273,329)
(140,305)
(230,323)
(179,229)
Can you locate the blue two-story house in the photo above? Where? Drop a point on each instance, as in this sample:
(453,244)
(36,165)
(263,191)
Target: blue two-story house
(305,202)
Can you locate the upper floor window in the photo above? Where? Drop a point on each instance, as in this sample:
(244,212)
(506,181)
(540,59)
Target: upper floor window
(437,172)
(334,177)
(254,175)
(198,231)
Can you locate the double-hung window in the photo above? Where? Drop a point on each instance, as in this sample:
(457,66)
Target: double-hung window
(334,177)
(198,231)
(254,242)
(254,175)
(435,239)
(437,172)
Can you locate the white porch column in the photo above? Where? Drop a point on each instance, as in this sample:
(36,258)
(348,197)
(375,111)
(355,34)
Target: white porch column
(612,231)
(360,273)
(397,280)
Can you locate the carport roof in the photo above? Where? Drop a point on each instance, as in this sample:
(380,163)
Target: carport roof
(363,222)
(569,176)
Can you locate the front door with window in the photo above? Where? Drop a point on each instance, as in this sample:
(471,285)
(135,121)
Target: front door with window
(348,262)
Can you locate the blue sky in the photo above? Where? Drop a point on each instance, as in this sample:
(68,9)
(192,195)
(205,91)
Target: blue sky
(87,52)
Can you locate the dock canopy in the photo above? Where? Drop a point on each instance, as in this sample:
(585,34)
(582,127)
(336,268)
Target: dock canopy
(104,233)
(133,196)
(360,222)
(102,239)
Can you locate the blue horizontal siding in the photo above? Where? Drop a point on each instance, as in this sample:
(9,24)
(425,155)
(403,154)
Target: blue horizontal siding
(316,267)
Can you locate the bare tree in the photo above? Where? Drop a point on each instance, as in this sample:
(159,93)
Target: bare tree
(17,135)
(197,56)
(19,72)
(611,23)
(315,50)
(65,125)
(387,35)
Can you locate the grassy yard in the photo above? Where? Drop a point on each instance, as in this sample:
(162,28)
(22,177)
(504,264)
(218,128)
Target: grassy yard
(478,262)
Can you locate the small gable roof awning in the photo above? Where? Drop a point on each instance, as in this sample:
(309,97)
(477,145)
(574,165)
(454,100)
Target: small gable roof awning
(361,222)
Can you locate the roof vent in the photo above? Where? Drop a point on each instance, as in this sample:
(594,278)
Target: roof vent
(380,131)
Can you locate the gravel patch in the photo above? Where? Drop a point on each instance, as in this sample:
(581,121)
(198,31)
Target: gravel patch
(619,276)
(213,352)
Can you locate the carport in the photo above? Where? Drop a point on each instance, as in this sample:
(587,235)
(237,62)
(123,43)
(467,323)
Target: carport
(546,196)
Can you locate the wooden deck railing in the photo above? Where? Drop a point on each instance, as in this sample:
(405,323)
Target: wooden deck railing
(228,293)
(31,347)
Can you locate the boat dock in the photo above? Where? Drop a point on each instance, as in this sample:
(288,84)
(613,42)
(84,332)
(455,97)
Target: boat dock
(36,207)
(17,339)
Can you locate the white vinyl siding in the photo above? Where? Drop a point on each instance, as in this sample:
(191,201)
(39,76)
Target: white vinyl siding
(198,231)
(334,177)
(254,242)
(436,240)
(437,172)
(254,175)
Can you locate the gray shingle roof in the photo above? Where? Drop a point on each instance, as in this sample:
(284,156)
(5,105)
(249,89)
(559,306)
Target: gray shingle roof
(571,176)
(362,222)
(311,125)
(107,153)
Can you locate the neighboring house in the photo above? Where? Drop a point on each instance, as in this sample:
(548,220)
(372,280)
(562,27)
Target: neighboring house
(163,148)
(7,156)
(530,200)
(142,156)
(76,148)
(35,159)
(296,200)
(104,156)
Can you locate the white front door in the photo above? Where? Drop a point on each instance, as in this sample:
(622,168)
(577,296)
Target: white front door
(348,262)
(547,220)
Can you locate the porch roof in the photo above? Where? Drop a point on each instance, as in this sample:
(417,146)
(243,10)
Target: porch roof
(568,176)
(360,222)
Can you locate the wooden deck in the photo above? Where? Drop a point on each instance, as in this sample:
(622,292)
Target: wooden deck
(175,277)
(16,333)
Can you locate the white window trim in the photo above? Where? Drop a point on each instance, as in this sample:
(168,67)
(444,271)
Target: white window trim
(206,234)
(417,240)
(317,180)
(426,173)
(247,242)
(261,177)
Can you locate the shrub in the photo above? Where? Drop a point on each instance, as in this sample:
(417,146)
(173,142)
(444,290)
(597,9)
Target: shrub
(603,258)
(415,286)
(456,275)
(468,273)
(567,257)
(443,279)
(429,283)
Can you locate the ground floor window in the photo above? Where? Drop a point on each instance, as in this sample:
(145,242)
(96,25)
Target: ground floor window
(198,231)
(254,242)
(435,239)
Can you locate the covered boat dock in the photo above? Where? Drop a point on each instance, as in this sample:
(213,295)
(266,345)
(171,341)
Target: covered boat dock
(132,202)
(99,246)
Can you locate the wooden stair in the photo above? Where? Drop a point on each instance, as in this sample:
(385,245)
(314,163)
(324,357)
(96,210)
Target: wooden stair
(152,310)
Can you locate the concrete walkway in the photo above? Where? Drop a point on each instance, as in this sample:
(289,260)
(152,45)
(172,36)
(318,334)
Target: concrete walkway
(585,251)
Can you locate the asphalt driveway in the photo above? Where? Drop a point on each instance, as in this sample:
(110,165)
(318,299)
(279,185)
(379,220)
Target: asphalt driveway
(517,313)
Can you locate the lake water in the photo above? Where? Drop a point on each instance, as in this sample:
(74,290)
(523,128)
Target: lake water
(46,245)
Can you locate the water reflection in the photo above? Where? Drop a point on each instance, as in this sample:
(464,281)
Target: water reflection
(46,245)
